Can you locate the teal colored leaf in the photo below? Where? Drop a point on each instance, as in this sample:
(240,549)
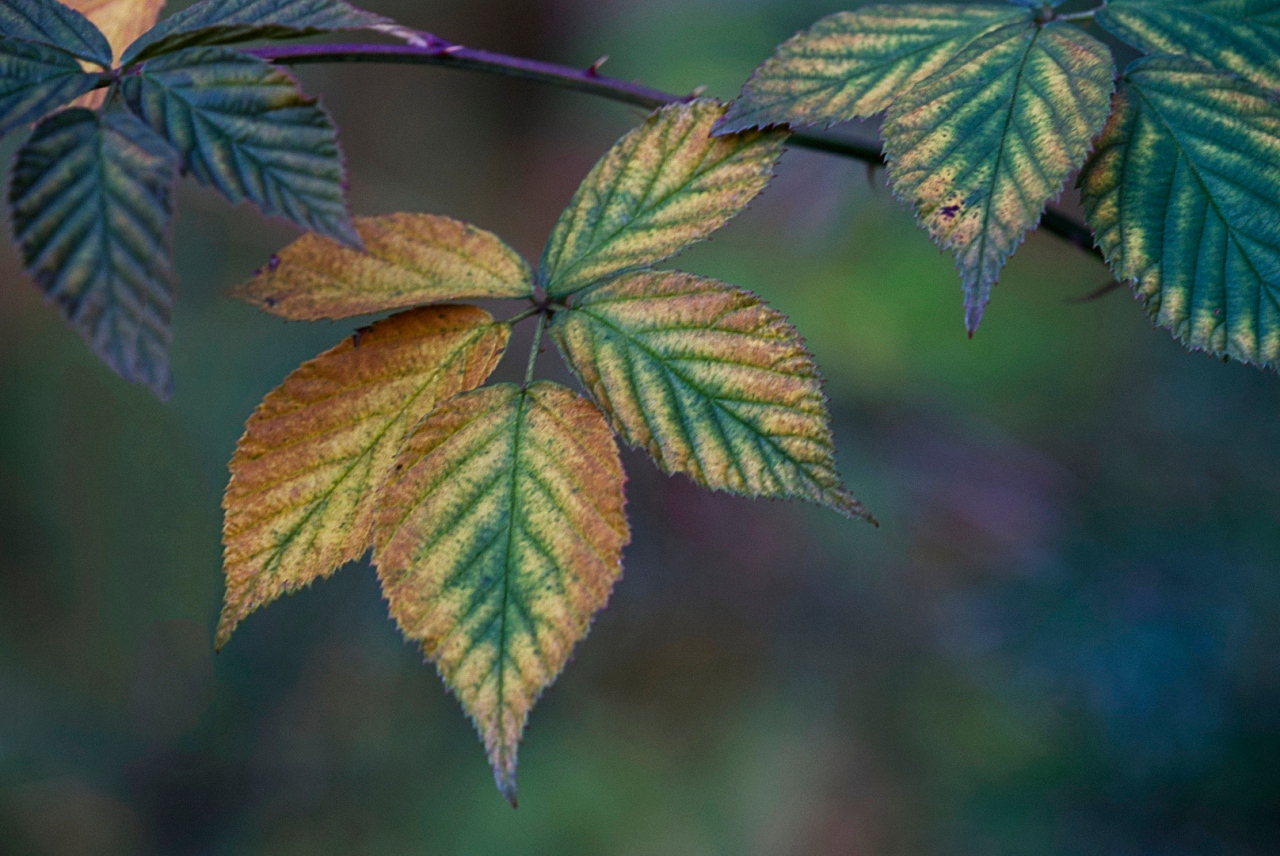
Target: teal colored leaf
(221,22)
(49,22)
(662,187)
(1183,194)
(710,381)
(980,146)
(91,199)
(851,65)
(1236,36)
(35,79)
(243,127)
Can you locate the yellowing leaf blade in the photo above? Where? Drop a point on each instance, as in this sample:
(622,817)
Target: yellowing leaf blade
(851,65)
(499,538)
(980,147)
(306,473)
(412,259)
(1183,194)
(662,187)
(710,381)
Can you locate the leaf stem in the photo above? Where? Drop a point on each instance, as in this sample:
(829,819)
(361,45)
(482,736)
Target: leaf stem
(1080,16)
(428,49)
(537,346)
(520,316)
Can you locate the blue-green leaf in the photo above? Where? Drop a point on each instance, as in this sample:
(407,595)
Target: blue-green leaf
(35,79)
(1236,36)
(49,22)
(1183,194)
(91,199)
(242,126)
(221,22)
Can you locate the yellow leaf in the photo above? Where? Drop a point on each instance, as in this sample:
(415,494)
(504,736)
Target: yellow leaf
(412,259)
(499,537)
(306,473)
(121,21)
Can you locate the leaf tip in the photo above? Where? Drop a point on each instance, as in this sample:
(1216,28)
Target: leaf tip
(504,776)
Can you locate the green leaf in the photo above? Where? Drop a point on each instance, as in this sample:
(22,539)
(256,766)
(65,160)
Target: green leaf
(710,381)
(49,22)
(410,259)
(306,474)
(499,538)
(35,79)
(1236,36)
(221,22)
(979,147)
(662,187)
(1183,194)
(853,64)
(91,199)
(243,127)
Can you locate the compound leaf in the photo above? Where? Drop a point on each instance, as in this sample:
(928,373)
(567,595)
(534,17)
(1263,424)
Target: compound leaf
(411,259)
(662,187)
(35,79)
(1236,36)
(306,473)
(49,22)
(499,537)
(243,127)
(710,381)
(852,64)
(979,147)
(92,199)
(121,21)
(220,22)
(1183,194)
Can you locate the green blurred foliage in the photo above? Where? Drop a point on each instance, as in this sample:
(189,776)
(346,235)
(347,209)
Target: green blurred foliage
(1061,640)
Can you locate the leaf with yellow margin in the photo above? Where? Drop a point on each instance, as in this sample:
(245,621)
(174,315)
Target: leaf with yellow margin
(306,473)
(499,537)
(662,187)
(979,147)
(412,259)
(710,381)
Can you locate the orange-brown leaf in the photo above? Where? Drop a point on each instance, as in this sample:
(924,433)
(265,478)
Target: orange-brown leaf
(412,259)
(306,473)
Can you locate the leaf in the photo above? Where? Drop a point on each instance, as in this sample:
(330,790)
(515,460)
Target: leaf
(983,144)
(1236,36)
(243,127)
(221,22)
(49,22)
(121,21)
(411,259)
(91,199)
(1183,194)
(306,474)
(499,537)
(662,187)
(35,79)
(852,64)
(710,381)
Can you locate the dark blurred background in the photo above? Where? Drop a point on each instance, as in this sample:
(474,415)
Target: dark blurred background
(1063,638)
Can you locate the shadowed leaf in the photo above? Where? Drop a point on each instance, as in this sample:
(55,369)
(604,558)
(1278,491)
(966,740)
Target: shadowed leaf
(412,259)
(980,147)
(852,64)
(221,22)
(662,187)
(710,381)
(499,537)
(1236,36)
(1183,194)
(49,22)
(91,198)
(306,473)
(35,79)
(243,127)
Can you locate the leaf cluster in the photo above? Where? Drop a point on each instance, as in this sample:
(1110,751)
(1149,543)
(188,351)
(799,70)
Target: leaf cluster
(989,108)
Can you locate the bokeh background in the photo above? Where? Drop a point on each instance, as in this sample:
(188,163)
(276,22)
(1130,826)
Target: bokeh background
(1063,639)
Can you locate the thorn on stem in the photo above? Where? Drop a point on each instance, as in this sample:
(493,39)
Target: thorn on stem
(594,69)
